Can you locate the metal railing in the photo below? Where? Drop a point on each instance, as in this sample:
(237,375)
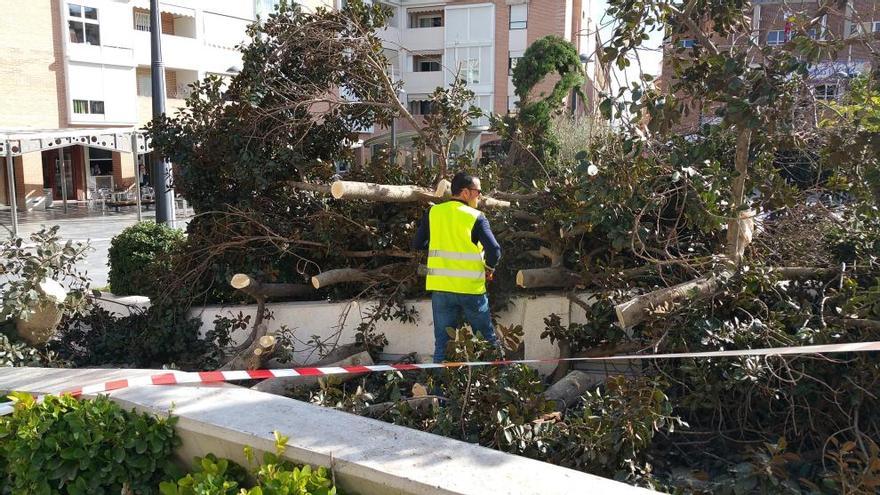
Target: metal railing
(142,21)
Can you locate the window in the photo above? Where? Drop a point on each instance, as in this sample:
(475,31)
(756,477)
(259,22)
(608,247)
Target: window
(776,38)
(826,92)
(511,64)
(100,162)
(141,20)
(263,8)
(422,63)
(426,19)
(88,107)
(83,24)
(470,71)
(876,26)
(511,104)
(421,107)
(144,83)
(519,16)
(432,21)
(688,43)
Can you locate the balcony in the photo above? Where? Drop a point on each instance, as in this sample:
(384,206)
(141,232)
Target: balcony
(177,51)
(422,39)
(422,82)
(145,108)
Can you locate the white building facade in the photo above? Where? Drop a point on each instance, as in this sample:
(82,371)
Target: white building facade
(106,46)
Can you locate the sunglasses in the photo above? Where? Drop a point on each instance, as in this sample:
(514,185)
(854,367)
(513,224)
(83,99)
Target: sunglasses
(479,191)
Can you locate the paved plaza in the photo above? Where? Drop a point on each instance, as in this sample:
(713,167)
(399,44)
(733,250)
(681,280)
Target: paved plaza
(81,224)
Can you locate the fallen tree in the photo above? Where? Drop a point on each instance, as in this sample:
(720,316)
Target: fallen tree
(257,348)
(344,355)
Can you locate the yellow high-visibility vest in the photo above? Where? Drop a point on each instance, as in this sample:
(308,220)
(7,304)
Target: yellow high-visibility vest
(455,263)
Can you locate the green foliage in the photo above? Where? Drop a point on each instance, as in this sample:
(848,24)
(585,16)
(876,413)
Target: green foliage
(66,446)
(138,255)
(274,476)
(24,267)
(212,476)
(14,353)
(490,405)
(611,432)
(235,146)
(154,338)
(529,134)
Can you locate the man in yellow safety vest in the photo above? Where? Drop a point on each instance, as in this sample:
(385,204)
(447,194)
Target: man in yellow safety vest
(456,234)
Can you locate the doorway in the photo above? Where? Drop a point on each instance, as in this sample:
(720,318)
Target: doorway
(64,164)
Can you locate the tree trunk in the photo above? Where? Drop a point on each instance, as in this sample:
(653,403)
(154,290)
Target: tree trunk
(563,367)
(740,229)
(417,404)
(346,355)
(255,351)
(804,272)
(372,253)
(402,194)
(537,278)
(308,186)
(257,289)
(341,276)
(569,389)
(854,323)
(381,192)
(636,310)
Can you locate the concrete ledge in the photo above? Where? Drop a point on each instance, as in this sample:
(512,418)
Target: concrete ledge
(369,457)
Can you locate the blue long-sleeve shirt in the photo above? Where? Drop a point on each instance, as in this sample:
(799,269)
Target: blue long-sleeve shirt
(481,233)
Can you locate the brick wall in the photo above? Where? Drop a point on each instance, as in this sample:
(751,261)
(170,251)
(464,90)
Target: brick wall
(546,17)
(32,67)
(28,177)
(123,170)
(502,55)
(773,17)
(167,21)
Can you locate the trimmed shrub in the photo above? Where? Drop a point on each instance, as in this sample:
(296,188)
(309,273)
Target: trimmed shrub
(138,255)
(94,447)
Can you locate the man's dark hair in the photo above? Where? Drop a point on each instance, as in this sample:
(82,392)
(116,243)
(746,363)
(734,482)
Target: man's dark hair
(462,180)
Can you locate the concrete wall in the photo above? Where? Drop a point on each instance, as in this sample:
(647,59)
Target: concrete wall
(337,323)
(368,457)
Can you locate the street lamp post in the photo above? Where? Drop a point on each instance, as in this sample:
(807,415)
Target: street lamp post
(400,94)
(164,194)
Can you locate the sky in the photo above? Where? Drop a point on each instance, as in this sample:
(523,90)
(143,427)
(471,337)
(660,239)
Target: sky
(651,57)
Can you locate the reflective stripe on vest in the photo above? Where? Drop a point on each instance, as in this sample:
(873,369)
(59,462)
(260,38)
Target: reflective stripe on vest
(455,263)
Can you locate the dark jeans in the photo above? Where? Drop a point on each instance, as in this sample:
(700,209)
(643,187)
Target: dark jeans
(449,308)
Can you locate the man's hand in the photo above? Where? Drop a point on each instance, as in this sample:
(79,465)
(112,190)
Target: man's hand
(490,275)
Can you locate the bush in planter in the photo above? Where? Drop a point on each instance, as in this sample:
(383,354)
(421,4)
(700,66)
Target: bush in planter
(94,447)
(13,353)
(40,283)
(138,254)
(275,476)
(162,335)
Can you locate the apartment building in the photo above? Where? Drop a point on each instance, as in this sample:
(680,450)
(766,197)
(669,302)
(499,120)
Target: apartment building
(75,77)
(774,23)
(431,42)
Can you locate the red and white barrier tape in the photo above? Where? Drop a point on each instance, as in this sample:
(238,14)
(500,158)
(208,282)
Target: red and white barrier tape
(184,377)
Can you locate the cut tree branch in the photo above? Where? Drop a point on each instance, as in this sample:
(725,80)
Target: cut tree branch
(640,308)
(537,278)
(258,290)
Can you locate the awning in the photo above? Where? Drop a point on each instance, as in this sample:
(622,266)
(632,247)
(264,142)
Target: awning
(421,10)
(23,141)
(166,7)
